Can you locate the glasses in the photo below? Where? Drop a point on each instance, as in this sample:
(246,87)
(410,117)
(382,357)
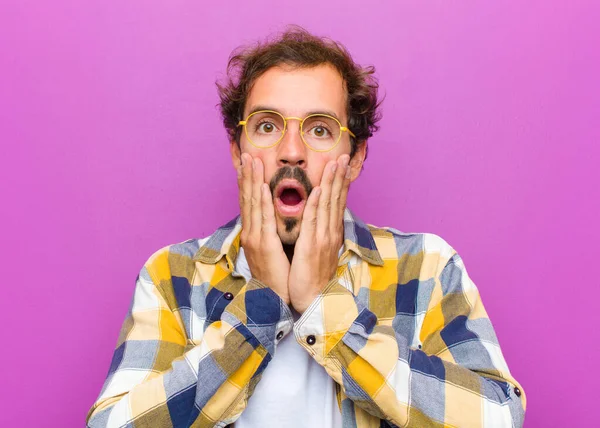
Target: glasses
(320,132)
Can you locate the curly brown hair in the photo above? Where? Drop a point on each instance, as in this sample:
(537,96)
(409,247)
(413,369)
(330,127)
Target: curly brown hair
(298,48)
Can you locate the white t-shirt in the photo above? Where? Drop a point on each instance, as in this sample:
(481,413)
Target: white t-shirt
(294,391)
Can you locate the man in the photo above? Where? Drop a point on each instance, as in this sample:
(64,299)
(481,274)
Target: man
(297,313)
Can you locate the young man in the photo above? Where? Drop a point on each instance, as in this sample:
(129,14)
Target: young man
(297,313)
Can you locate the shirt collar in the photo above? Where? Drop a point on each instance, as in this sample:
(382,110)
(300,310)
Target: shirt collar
(225,242)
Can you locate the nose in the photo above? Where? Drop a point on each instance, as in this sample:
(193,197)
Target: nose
(291,150)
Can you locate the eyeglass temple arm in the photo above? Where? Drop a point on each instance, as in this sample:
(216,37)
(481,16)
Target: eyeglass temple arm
(343,128)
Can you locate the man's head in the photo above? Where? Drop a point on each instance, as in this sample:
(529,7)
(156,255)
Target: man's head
(296,75)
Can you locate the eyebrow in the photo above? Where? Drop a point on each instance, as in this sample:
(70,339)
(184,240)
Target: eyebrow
(262,107)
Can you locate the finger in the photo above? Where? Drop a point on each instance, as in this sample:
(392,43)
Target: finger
(336,192)
(309,217)
(246,191)
(325,199)
(256,209)
(268,210)
(344,192)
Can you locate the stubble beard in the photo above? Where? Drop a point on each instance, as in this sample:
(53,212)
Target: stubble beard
(288,231)
(288,228)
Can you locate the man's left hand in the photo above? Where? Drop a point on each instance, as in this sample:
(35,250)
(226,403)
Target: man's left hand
(321,235)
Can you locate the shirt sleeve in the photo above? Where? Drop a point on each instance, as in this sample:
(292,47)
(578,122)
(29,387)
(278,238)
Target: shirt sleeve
(156,378)
(457,377)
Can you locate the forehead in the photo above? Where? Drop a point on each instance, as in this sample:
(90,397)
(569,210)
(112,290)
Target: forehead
(299,91)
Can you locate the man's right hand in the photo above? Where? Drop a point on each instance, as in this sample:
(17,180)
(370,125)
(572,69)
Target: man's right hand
(262,246)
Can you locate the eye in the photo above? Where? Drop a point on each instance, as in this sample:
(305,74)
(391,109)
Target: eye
(266,127)
(320,131)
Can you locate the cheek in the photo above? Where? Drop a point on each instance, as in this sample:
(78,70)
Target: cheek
(250,149)
(266,156)
(315,178)
(268,160)
(318,168)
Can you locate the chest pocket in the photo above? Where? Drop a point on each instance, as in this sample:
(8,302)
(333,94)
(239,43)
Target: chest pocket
(220,295)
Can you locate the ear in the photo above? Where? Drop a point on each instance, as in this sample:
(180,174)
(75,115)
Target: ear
(236,154)
(356,163)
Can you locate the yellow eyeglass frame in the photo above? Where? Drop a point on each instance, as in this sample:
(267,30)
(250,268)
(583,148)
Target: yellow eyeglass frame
(285,119)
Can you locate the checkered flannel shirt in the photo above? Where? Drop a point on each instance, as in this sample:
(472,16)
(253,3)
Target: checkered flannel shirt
(401,330)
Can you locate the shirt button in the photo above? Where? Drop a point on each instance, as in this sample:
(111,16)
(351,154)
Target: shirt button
(517,392)
(279,335)
(228,296)
(311,340)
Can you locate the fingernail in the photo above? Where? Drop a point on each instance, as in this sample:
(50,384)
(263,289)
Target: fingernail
(334,167)
(243,161)
(253,163)
(318,192)
(239,172)
(348,171)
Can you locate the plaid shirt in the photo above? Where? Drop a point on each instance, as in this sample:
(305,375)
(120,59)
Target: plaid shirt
(401,329)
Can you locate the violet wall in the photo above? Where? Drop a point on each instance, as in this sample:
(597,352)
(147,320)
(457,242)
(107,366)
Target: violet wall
(111,147)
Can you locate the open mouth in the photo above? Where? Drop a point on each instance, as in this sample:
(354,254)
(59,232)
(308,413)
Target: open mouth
(290,197)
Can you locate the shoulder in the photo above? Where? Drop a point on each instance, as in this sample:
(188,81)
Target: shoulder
(394,243)
(180,258)
(427,255)
(171,259)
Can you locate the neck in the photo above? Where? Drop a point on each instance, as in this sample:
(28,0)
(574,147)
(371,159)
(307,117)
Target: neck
(289,251)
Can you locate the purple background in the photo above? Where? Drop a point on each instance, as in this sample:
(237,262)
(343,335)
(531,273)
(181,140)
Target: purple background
(112,148)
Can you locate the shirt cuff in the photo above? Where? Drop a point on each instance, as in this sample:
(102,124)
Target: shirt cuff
(326,320)
(264,314)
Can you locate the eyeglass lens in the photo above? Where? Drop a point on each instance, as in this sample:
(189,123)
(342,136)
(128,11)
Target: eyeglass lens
(320,132)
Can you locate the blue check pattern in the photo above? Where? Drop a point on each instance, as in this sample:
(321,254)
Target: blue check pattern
(400,329)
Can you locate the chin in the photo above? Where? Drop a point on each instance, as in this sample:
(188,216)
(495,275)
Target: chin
(288,230)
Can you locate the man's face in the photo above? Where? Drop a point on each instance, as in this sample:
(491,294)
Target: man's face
(296,92)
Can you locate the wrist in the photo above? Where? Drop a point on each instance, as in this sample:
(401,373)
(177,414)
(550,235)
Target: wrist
(302,303)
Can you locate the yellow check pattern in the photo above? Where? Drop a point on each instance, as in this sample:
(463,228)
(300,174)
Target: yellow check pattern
(401,330)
